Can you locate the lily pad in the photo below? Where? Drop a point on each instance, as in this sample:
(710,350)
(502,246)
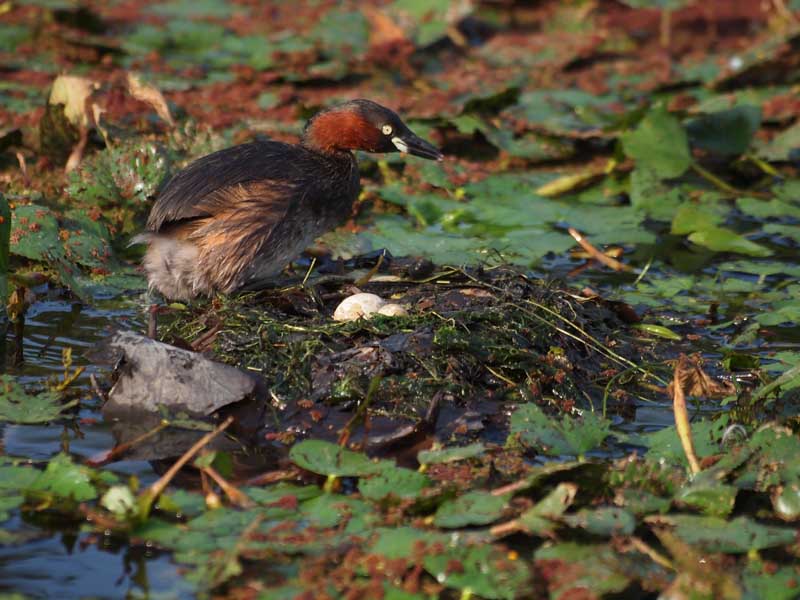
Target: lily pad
(326,458)
(720,239)
(63,479)
(557,437)
(472,508)
(396,482)
(17,406)
(483,570)
(34,233)
(542,518)
(660,143)
(446,455)
(713,534)
(727,132)
(573,568)
(603,521)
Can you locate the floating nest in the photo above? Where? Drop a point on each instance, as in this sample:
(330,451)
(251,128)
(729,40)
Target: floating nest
(475,342)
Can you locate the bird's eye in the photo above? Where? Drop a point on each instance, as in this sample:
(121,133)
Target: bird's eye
(387,130)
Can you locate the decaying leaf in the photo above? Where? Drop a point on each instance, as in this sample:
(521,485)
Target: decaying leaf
(145,92)
(72,92)
(696,382)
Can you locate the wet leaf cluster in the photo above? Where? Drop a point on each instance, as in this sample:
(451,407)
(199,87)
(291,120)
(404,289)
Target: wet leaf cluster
(467,521)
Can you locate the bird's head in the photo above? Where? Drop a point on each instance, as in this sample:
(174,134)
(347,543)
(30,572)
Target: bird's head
(364,125)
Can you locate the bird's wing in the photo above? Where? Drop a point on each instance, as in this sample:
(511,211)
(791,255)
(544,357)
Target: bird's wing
(245,215)
(209,185)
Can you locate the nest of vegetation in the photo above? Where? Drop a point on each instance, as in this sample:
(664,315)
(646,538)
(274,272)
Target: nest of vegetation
(475,339)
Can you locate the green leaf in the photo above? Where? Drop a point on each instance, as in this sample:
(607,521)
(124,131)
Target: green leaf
(283,493)
(400,542)
(720,239)
(472,508)
(34,233)
(128,173)
(563,111)
(658,331)
(784,146)
(710,498)
(727,132)
(768,581)
(604,521)
(652,196)
(713,534)
(326,458)
(539,519)
(764,209)
(331,510)
(15,478)
(573,568)
(194,9)
(17,406)
(120,500)
(664,445)
(64,479)
(659,143)
(641,502)
(342,32)
(397,482)
(691,217)
(557,437)
(483,570)
(446,455)
(86,241)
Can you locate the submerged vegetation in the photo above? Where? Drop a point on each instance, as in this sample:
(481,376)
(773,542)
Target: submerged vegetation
(593,389)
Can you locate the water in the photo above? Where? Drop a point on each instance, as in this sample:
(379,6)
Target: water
(58,561)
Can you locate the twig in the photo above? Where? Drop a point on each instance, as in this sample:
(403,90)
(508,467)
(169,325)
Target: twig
(199,344)
(121,449)
(763,165)
(361,411)
(500,376)
(717,182)
(96,387)
(654,555)
(76,155)
(69,378)
(147,497)
(273,477)
(507,528)
(234,494)
(310,269)
(23,167)
(612,263)
(512,487)
(682,416)
(644,271)
(365,279)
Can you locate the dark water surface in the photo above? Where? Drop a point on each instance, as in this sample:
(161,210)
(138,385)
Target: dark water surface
(57,560)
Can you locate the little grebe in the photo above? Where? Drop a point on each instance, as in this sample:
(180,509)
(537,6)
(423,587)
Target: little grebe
(234,219)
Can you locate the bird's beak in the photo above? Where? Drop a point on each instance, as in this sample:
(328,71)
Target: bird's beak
(412,144)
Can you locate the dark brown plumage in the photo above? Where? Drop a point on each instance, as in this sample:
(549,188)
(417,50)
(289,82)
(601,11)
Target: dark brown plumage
(233,219)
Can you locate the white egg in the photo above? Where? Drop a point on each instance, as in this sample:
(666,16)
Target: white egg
(357,306)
